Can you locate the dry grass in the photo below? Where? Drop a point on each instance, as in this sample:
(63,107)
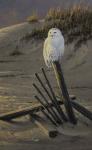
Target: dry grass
(33,18)
(75,24)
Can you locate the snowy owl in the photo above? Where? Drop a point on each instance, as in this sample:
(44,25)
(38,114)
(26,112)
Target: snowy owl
(53,46)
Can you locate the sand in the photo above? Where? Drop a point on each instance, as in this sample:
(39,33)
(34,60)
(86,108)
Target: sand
(16,91)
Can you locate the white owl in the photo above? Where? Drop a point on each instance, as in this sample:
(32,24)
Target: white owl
(53,46)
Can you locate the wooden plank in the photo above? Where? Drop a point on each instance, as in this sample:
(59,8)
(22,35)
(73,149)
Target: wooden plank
(22,112)
(78,107)
(30,110)
(82,110)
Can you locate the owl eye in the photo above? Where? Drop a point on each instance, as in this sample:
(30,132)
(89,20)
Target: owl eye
(55,32)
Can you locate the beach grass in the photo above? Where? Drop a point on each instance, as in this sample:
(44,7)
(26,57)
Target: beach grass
(75,24)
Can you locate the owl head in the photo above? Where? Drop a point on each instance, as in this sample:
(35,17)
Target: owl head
(54,32)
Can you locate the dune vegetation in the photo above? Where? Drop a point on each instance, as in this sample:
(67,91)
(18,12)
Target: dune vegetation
(33,18)
(75,24)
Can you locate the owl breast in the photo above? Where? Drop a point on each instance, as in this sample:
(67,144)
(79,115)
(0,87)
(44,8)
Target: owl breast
(53,50)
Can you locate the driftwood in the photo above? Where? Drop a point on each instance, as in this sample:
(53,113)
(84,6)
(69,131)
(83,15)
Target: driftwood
(38,107)
(26,111)
(22,112)
(82,110)
(78,107)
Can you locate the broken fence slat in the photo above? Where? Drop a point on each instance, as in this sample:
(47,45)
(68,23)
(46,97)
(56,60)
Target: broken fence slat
(37,107)
(50,111)
(48,129)
(78,107)
(49,114)
(59,109)
(22,112)
(51,99)
(82,110)
(48,117)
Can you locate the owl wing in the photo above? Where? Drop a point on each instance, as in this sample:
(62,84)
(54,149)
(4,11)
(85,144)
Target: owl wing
(53,51)
(61,47)
(49,52)
(45,52)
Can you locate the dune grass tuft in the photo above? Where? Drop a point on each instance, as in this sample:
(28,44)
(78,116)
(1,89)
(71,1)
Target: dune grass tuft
(75,24)
(33,18)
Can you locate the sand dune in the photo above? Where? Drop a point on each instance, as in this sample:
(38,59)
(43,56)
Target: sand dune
(17,76)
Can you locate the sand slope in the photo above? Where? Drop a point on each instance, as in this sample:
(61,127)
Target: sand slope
(17,76)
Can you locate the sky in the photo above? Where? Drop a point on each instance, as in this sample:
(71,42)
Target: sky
(16,11)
